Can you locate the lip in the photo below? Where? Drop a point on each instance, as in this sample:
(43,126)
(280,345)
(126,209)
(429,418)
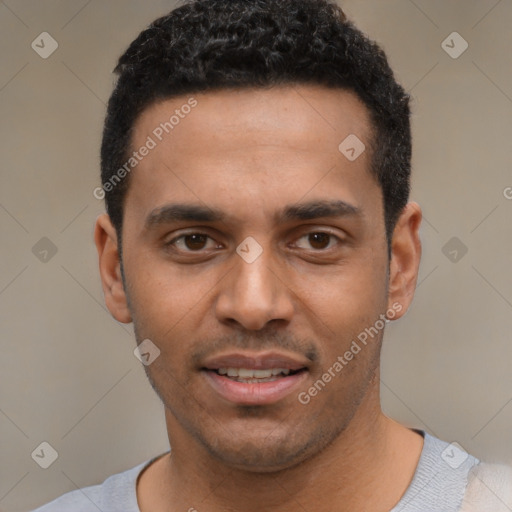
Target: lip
(256,361)
(264,393)
(259,393)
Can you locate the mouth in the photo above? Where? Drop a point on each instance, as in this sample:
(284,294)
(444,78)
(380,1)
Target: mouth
(259,379)
(251,376)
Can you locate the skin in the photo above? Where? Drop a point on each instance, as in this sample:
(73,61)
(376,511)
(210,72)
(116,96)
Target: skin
(249,153)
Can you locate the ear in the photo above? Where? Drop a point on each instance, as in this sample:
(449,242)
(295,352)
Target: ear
(105,238)
(405,259)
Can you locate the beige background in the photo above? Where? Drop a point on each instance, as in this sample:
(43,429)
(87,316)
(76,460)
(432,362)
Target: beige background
(68,373)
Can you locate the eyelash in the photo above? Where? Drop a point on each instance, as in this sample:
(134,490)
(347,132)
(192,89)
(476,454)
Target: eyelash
(174,240)
(185,235)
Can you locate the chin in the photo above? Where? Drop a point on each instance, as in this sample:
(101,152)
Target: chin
(262,458)
(273,450)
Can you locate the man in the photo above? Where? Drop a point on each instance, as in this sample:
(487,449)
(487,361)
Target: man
(255,166)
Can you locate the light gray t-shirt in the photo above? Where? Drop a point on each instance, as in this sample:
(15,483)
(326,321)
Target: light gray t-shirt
(438,485)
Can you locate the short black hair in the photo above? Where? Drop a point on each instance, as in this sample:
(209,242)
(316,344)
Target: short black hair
(206,45)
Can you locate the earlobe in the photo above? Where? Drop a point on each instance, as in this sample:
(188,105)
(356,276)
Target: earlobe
(405,258)
(105,238)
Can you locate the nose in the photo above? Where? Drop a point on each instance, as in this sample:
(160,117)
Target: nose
(254,294)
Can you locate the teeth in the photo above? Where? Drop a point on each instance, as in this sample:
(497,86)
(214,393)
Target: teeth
(247,373)
(261,374)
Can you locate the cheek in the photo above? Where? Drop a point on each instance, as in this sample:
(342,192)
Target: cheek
(352,290)
(162,294)
(341,306)
(170,300)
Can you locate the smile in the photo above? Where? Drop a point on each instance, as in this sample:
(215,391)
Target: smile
(252,376)
(255,379)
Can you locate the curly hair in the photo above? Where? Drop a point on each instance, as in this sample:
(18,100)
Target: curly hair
(205,45)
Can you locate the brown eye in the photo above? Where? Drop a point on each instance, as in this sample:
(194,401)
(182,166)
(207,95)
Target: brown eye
(318,241)
(195,242)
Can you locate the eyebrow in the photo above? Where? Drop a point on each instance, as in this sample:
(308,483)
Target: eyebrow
(318,209)
(183,212)
(196,213)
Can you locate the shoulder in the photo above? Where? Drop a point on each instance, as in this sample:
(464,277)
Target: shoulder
(116,494)
(489,489)
(440,477)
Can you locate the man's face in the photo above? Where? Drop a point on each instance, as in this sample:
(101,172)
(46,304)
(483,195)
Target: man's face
(254,167)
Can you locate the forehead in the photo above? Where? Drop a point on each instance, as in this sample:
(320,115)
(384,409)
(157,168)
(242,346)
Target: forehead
(304,115)
(252,146)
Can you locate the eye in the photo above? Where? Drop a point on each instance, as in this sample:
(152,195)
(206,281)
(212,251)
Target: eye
(319,241)
(193,242)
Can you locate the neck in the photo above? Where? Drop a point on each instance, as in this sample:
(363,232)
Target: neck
(368,467)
